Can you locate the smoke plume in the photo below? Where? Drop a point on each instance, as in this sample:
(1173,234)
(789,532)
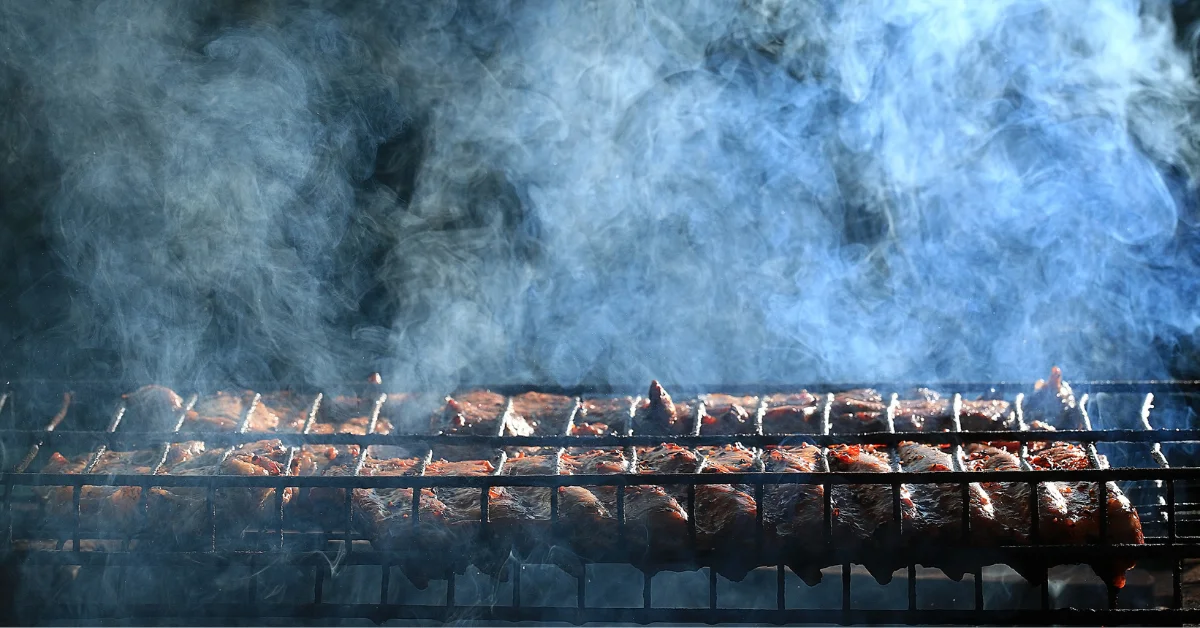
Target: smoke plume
(596,191)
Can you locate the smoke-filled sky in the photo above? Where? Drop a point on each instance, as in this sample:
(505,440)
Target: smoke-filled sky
(596,191)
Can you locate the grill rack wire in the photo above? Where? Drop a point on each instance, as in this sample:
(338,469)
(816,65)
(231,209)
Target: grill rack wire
(278,545)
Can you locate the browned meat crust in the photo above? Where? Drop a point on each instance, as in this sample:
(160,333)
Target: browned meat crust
(794,514)
(600,416)
(864,515)
(1082,521)
(655,523)
(725,516)
(726,414)
(659,414)
(543,413)
(793,413)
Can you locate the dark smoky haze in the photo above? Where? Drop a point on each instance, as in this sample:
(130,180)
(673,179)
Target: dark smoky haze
(597,191)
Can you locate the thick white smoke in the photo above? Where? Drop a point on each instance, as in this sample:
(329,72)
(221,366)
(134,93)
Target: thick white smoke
(601,191)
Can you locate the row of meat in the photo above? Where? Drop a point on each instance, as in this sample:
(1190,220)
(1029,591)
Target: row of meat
(656,529)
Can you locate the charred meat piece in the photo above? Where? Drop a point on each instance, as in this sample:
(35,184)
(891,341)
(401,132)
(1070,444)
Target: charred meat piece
(939,508)
(938,415)
(152,409)
(109,508)
(1010,500)
(864,515)
(184,509)
(794,514)
(656,526)
(659,414)
(724,515)
(543,413)
(726,414)
(1053,402)
(1083,509)
(857,411)
(386,514)
(601,416)
(798,413)
(224,412)
(479,412)
(351,415)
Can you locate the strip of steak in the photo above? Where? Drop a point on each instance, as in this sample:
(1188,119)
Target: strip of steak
(223,412)
(1083,508)
(656,525)
(1053,402)
(864,516)
(794,514)
(724,515)
(937,415)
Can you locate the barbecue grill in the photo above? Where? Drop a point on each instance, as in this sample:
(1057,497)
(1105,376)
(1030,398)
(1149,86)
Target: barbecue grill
(1153,465)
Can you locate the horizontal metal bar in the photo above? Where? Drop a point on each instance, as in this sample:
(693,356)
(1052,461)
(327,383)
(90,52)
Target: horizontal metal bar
(417,441)
(385,612)
(647,479)
(915,554)
(633,388)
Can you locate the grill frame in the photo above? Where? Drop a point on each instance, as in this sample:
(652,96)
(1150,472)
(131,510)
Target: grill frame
(1171,548)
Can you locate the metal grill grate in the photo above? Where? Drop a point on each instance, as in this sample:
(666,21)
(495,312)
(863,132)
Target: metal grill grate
(1171,524)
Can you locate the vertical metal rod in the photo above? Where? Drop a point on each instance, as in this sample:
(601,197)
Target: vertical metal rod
(845,586)
(581,586)
(279,513)
(319,585)
(347,540)
(8,516)
(1170,512)
(1034,511)
(979,588)
(966,511)
(211,506)
(691,513)
(517,568)
(760,534)
(252,585)
(1102,506)
(712,588)
(449,587)
(621,512)
(647,590)
(780,589)
(912,587)
(1177,583)
(75,490)
(826,427)
(113,423)
(385,582)
(1045,592)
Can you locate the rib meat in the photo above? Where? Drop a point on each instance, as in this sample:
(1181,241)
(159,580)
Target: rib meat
(865,515)
(656,526)
(600,416)
(726,414)
(659,414)
(725,516)
(794,514)
(794,413)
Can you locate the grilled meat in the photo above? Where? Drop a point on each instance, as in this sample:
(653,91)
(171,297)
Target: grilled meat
(864,515)
(115,509)
(152,409)
(937,415)
(725,414)
(796,413)
(1053,402)
(794,514)
(724,514)
(544,414)
(386,514)
(1082,521)
(659,414)
(600,416)
(656,526)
